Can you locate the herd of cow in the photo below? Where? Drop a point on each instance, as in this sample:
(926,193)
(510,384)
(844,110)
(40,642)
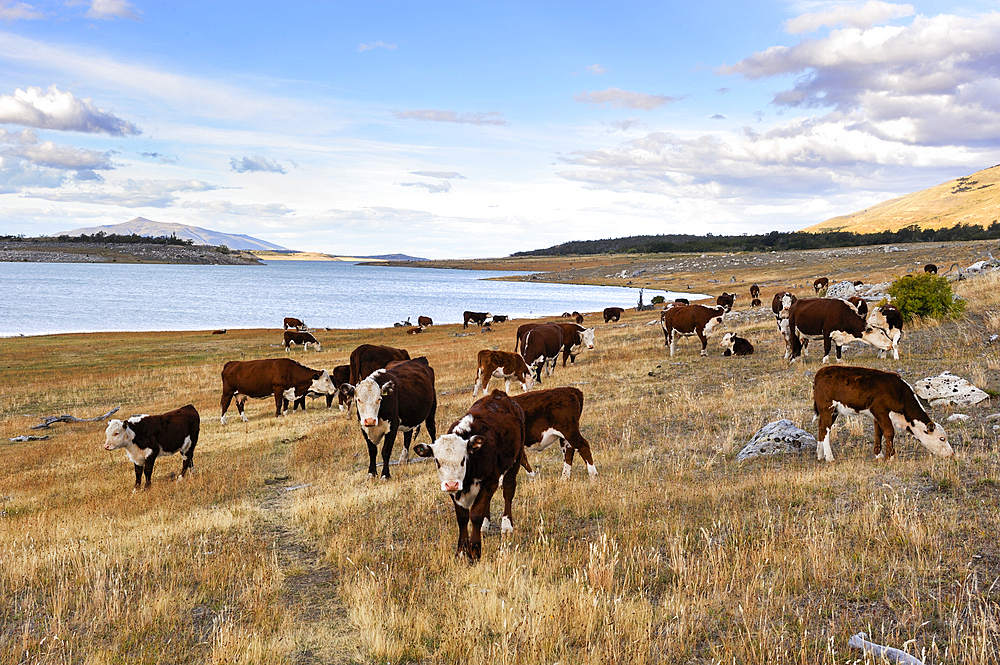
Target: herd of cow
(389,392)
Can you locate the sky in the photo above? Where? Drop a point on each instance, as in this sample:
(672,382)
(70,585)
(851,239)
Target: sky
(468,129)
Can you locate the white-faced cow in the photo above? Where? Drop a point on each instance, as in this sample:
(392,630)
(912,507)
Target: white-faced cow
(888,318)
(613,313)
(303,338)
(540,348)
(835,322)
(501,365)
(282,377)
(780,305)
(485,444)
(479,318)
(552,416)
(340,375)
(397,399)
(820,283)
(575,337)
(726,300)
(145,438)
(688,320)
(500,318)
(882,395)
(736,345)
(292,322)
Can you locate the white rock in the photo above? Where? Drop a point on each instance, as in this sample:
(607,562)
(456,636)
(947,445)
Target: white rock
(781,436)
(957,417)
(843,289)
(947,388)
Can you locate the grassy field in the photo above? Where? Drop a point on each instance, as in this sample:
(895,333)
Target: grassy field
(280,549)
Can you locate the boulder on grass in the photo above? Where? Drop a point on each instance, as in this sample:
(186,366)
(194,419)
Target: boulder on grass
(779,437)
(946,388)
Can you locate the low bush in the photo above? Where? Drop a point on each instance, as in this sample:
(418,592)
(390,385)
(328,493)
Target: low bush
(924,296)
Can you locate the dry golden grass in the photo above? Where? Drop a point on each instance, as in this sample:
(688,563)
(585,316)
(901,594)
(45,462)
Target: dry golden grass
(674,553)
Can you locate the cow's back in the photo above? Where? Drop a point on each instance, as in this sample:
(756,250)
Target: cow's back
(564,403)
(500,420)
(815,316)
(367,358)
(413,382)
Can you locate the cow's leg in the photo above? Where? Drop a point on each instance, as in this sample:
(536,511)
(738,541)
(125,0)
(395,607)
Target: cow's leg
(240,406)
(372,455)
(138,478)
(827,416)
(404,455)
(827,345)
(477,384)
(888,431)
(188,458)
(673,341)
(666,334)
(568,451)
(462,517)
(279,400)
(227,399)
(583,447)
(877,448)
(147,469)
(387,442)
(509,487)
(329,401)
(839,347)
(704,340)
(523,461)
(565,356)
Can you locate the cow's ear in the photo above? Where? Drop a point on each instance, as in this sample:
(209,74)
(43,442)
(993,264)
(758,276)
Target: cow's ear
(930,428)
(476,442)
(347,390)
(387,388)
(423,450)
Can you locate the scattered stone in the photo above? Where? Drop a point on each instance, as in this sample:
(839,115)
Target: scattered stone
(843,289)
(993,417)
(947,388)
(957,417)
(781,436)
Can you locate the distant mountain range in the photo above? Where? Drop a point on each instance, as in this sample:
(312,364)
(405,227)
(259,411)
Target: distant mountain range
(972,200)
(146,227)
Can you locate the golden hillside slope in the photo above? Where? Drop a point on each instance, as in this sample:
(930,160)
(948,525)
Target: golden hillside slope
(973,199)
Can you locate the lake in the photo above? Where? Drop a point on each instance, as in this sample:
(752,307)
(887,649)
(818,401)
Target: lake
(47,298)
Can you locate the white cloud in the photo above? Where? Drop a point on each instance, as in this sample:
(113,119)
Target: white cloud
(432,187)
(432,115)
(108,9)
(624,99)
(626,124)
(856,16)
(25,146)
(439,174)
(15,177)
(18,11)
(255,163)
(373,45)
(62,111)
(230,208)
(596,69)
(129,194)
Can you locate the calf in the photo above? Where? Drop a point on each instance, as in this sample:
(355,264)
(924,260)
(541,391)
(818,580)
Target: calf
(888,318)
(554,415)
(577,316)
(400,398)
(575,337)
(834,321)
(282,377)
(499,318)
(501,365)
(540,346)
(424,321)
(736,346)
(291,322)
(726,300)
(780,305)
(303,338)
(687,320)
(755,302)
(884,396)
(479,318)
(820,283)
(340,375)
(930,269)
(145,438)
(860,305)
(613,313)
(485,444)
(754,291)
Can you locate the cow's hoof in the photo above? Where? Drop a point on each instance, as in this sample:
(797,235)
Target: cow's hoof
(222,420)
(244,418)
(506,526)
(532,474)
(592,470)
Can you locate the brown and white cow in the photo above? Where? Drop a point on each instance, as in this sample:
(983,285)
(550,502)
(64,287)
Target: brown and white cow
(424,321)
(282,377)
(303,338)
(521,330)
(540,348)
(500,318)
(833,320)
(883,395)
(888,318)
(726,300)
(575,337)
(613,313)
(552,416)
(860,305)
(780,304)
(365,359)
(292,322)
(754,291)
(145,438)
(397,399)
(487,443)
(820,283)
(340,375)
(930,269)
(736,345)
(756,302)
(479,318)
(688,320)
(501,365)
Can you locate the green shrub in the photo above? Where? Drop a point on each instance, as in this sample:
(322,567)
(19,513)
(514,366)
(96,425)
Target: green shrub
(658,300)
(925,295)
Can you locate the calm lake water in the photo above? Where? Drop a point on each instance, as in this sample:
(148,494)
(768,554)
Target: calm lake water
(46,298)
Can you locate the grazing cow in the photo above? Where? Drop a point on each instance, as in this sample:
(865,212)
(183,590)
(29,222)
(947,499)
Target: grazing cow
(144,438)
(883,395)
(487,443)
(303,338)
(682,301)
(399,398)
(499,318)
(554,415)
(613,313)
(501,365)
(736,346)
(930,269)
(291,322)
(367,358)
(566,315)
(779,305)
(424,321)
(820,284)
(340,375)
(577,316)
(219,332)
(687,320)
(756,302)
(726,300)
(282,377)
(575,337)
(754,291)
(834,321)
(541,346)
(479,318)
(521,330)
(858,283)
(888,318)
(860,305)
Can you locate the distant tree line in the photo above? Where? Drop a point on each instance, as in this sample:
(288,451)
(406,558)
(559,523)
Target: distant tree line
(102,237)
(773,241)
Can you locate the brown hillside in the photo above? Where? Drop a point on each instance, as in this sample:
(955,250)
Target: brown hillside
(973,199)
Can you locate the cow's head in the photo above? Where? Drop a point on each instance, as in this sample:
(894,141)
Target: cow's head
(451,452)
(321,383)
(727,340)
(877,337)
(368,396)
(587,337)
(117,435)
(932,436)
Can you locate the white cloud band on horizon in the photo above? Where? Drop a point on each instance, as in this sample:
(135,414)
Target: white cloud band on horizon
(623,99)
(856,16)
(433,115)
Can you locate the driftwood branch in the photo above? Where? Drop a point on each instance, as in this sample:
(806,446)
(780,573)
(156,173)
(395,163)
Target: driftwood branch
(25,437)
(860,641)
(71,419)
